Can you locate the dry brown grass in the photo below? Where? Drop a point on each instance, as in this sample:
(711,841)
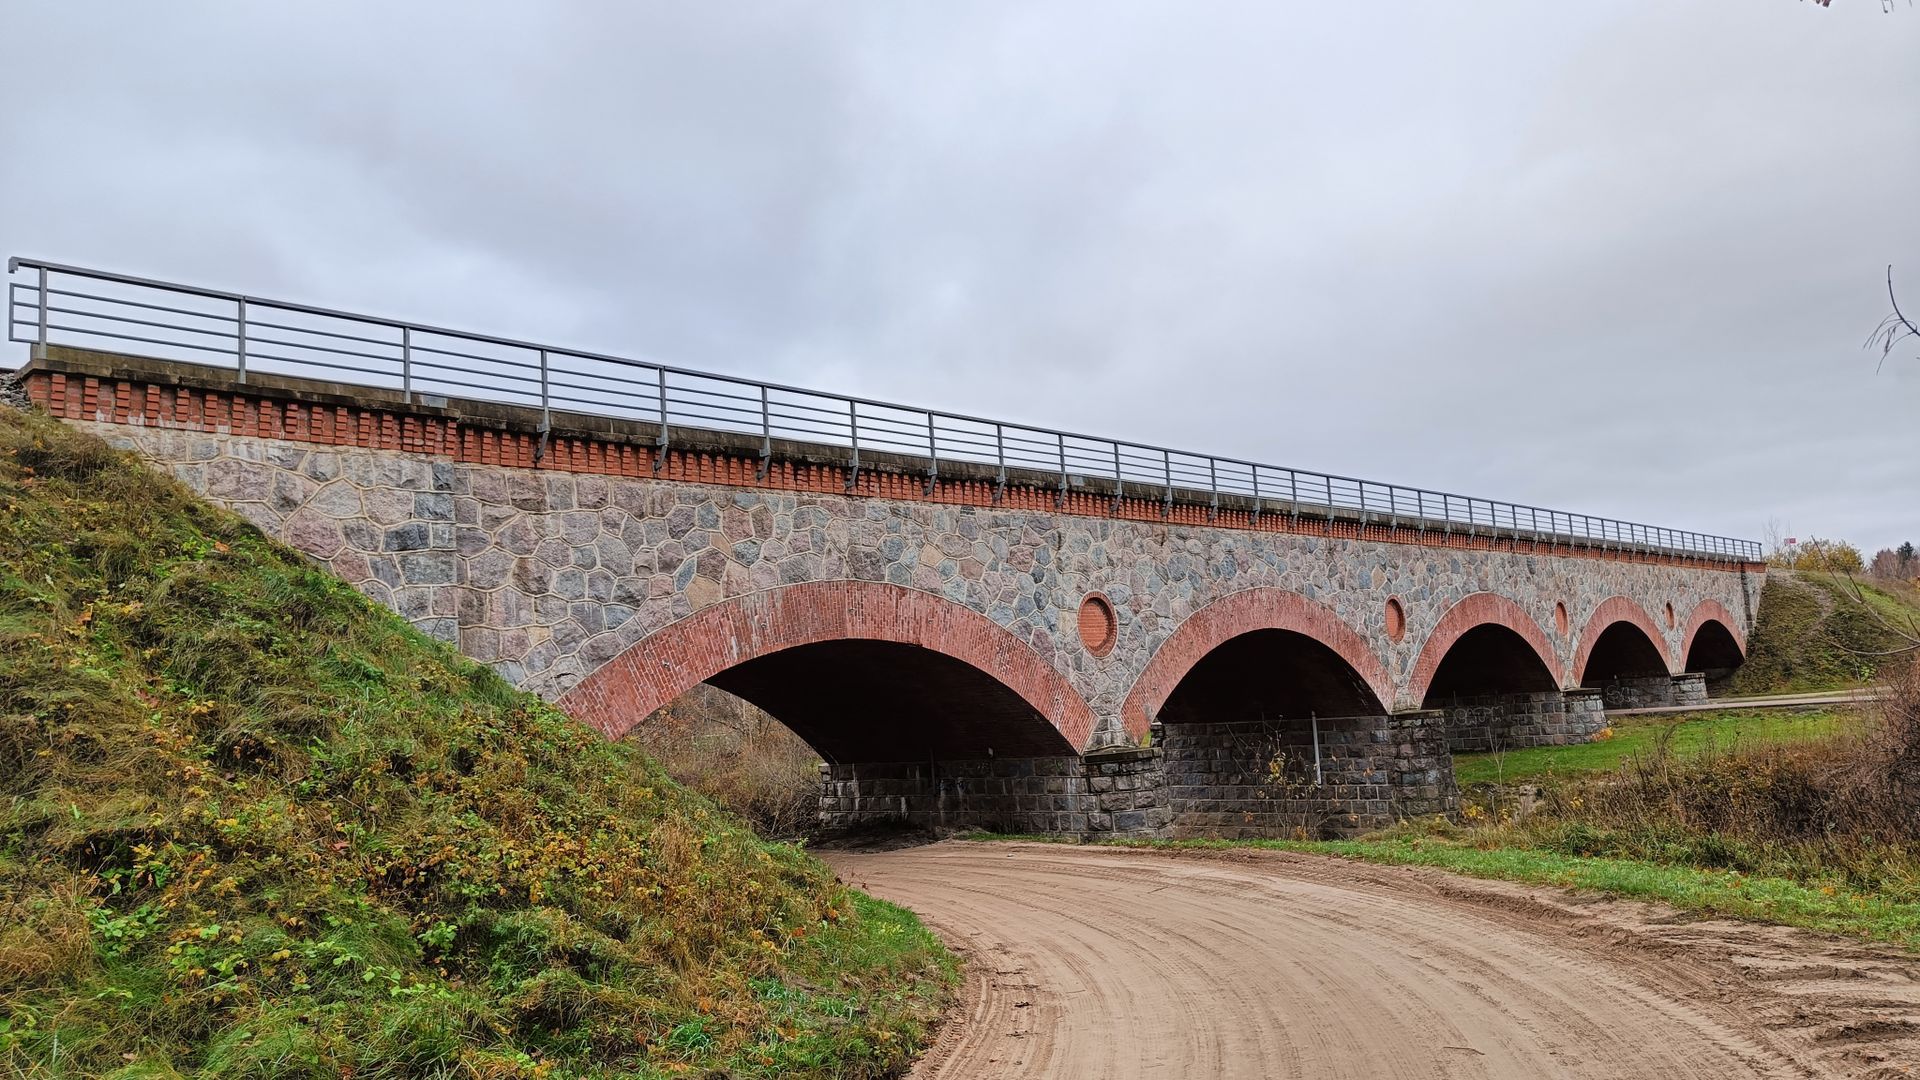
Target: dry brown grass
(1840,808)
(739,756)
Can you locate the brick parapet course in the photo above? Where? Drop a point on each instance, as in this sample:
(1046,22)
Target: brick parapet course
(548,573)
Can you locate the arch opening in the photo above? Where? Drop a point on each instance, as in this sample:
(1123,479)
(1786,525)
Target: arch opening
(1714,651)
(1622,651)
(1266,674)
(1498,694)
(862,700)
(1271,733)
(1485,661)
(925,711)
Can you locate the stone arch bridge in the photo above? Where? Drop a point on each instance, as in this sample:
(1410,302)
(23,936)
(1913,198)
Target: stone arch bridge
(963,645)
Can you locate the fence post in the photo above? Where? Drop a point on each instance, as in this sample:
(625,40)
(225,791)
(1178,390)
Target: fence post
(43,307)
(406,364)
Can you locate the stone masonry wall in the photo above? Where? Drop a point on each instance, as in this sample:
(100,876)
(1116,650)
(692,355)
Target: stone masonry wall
(1516,721)
(1103,794)
(1257,778)
(1656,691)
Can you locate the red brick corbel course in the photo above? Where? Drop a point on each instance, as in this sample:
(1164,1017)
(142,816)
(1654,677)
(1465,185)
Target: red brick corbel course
(1710,611)
(1480,609)
(1615,609)
(683,654)
(1243,613)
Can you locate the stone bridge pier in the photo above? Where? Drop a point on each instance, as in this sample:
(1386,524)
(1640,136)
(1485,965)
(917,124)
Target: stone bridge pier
(1030,652)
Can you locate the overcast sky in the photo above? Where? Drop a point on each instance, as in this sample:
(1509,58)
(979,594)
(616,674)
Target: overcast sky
(1606,256)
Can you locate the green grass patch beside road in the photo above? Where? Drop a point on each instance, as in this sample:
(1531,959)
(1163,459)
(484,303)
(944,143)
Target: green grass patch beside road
(1831,907)
(1691,734)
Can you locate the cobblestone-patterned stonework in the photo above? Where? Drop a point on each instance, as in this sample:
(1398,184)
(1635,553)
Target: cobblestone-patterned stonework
(548,575)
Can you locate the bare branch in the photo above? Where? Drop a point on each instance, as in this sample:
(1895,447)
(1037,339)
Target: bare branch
(1893,329)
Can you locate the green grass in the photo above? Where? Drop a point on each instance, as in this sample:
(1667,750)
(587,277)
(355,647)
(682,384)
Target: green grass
(1831,907)
(253,825)
(1692,733)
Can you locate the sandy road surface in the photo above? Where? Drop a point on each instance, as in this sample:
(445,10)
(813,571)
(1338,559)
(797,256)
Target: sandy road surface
(1091,962)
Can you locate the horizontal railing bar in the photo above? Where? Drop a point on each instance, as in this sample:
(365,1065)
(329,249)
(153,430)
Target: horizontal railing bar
(55,309)
(124,302)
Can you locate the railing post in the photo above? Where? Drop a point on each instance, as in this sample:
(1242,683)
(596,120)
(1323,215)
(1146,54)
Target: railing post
(1256,496)
(853,432)
(1119,485)
(933,456)
(546,400)
(1166,467)
(43,307)
(1060,499)
(660,404)
(1213,489)
(240,340)
(1000,457)
(766,435)
(406,364)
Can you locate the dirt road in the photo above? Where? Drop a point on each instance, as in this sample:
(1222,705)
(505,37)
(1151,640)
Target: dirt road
(1106,963)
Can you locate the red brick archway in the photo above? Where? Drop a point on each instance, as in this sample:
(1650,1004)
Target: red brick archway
(1710,611)
(1480,609)
(1243,613)
(1616,609)
(680,656)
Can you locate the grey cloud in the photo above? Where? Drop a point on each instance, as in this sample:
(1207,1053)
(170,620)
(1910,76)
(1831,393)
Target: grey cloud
(1609,258)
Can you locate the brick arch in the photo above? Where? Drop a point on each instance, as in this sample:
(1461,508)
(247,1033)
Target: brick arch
(1615,609)
(1705,611)
(1243,613)
(1479,609)
(685,653)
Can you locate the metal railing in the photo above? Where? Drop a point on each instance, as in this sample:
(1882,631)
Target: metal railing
(56,304)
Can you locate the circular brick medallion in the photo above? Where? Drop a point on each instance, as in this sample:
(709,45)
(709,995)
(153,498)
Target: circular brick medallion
(1396,619)
(1560,621)
(1098,627)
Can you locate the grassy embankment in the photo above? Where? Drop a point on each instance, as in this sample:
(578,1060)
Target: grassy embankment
(1817,631)
(252,825)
